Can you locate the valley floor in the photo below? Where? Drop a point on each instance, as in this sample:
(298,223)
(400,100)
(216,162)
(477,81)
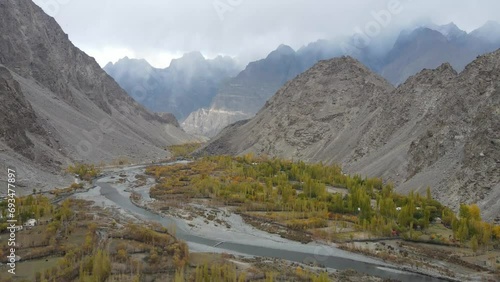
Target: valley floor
(223,223)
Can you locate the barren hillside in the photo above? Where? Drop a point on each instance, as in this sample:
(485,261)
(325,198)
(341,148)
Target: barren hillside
(59,106)
(439,129)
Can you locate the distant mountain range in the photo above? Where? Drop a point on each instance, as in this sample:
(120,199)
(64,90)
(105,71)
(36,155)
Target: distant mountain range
(241,97)
(58,106)
(413,51)
(188,84)
(429,47)
(439,129)
(218,96)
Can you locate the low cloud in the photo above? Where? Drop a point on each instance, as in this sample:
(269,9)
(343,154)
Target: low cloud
(159,30)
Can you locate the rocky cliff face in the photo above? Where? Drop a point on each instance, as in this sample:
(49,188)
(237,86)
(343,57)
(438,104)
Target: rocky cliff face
(59,106)
(17,118)
(462,138)
(438,129)
(209,122)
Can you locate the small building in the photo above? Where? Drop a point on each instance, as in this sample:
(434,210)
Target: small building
(19,227)
(30,223)
(438,220)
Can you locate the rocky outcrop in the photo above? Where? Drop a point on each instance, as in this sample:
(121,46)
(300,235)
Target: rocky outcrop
(168,118)
(438,129)
(209,122)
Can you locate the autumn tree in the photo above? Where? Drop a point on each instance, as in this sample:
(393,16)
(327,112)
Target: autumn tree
(474,244)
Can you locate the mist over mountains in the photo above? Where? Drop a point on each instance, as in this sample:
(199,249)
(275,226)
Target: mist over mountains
(428,47)
(364,158)
(219,96)
(188,84)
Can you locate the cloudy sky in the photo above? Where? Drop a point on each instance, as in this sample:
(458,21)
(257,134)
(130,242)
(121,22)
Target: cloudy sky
(160,30)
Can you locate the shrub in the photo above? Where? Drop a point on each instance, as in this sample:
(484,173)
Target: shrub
(84,171)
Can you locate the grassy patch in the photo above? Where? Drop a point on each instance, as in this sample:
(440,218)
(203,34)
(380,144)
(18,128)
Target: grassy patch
(27,270)
(184,150)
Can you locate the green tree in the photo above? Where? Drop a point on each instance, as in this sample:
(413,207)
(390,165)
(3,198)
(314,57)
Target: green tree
(101,268)
(474,244)
(464,211)
(323,277)
(463,230)
(428,193)
(179,275)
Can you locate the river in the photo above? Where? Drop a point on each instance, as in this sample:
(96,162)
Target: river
(327,256)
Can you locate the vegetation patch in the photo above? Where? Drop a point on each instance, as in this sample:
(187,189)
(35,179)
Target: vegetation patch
(305,202)
(85,172)
(184,150)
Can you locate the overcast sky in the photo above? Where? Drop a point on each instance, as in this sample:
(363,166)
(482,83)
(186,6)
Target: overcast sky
(159,30)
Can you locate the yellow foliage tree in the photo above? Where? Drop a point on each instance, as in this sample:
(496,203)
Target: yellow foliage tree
(496,232)
(475,212)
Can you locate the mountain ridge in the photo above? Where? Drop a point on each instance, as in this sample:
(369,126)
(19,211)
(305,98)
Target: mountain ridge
(438,129)
(427,46)
(189,83)
(68,109)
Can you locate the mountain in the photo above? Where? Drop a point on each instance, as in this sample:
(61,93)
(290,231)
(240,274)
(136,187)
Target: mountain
(489,32)
(451,31)
(429,47)
(58,106)
(189,83)
(439,128)
(420,49)
(209,122)
(425,47)
(241,97)
(305,111)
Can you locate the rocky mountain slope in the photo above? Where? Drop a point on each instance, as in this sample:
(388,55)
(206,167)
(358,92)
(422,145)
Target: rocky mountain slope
(439,129)
(429,47)
(414,50)
(241,97)
(189,83)
(59,106)
(209,122)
